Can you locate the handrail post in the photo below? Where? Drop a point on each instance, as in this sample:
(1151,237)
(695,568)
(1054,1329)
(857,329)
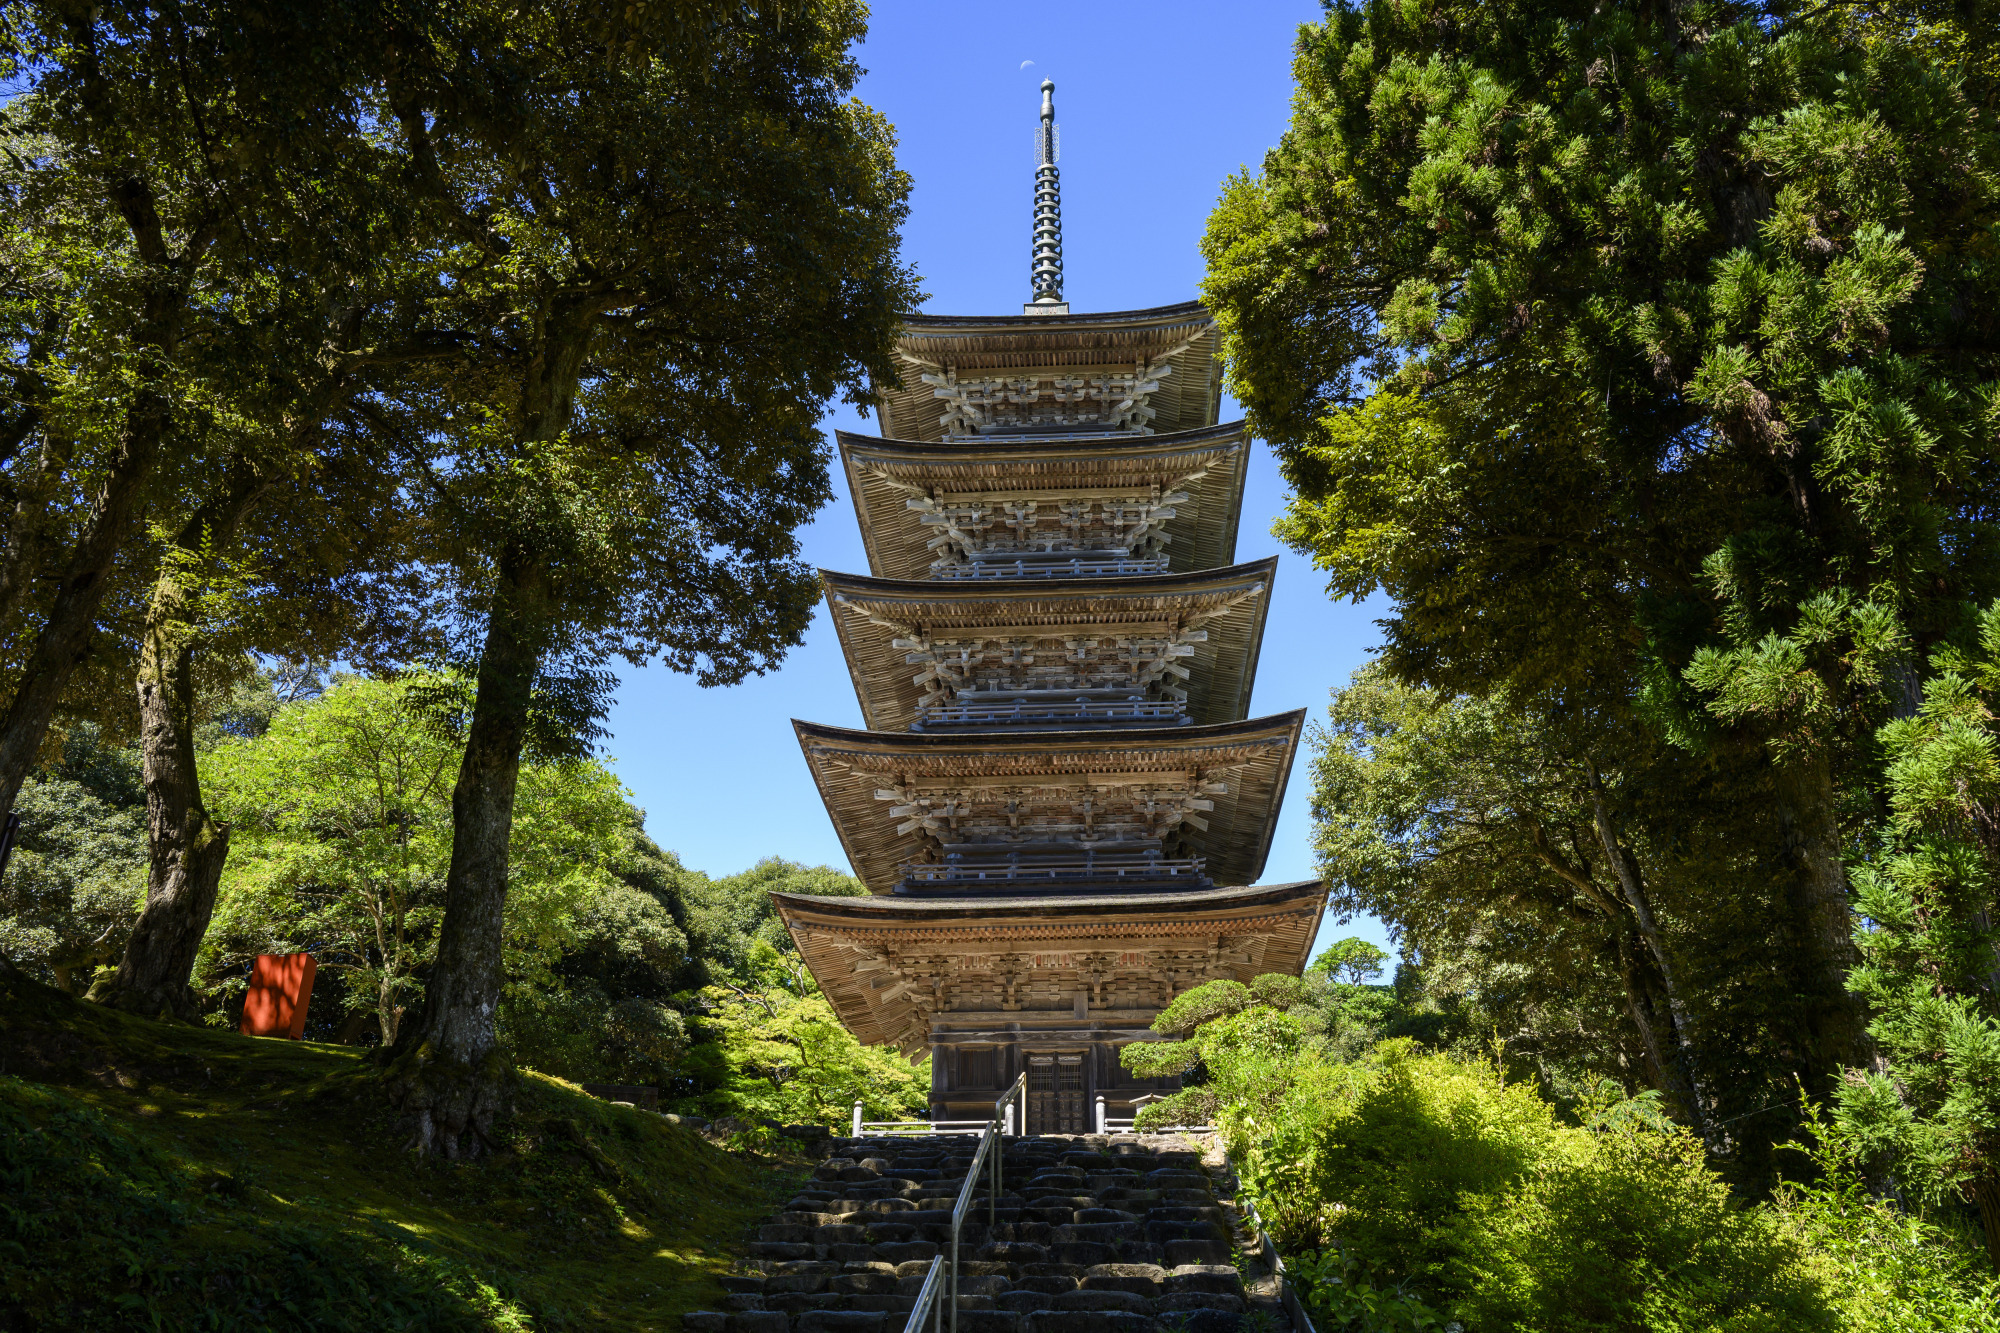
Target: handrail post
(993,1191)
(1100,1113)
(857,1120)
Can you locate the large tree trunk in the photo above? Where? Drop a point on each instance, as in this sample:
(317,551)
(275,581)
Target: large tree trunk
(186,847)
(1836,1023)
(448,1077)
(1685,1073)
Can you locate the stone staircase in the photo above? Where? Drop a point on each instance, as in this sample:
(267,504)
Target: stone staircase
(1133,1233)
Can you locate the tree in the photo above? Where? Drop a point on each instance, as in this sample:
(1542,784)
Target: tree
(767,1042)
(74,883)
(1591,894)
(731,920)
(1643,354)
(158,154)
(1352,961)
(1928,898)
(679,241)
(212,203)
(342,814)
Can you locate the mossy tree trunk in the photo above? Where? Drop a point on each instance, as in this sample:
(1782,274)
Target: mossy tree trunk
(448,1078)
(187,848)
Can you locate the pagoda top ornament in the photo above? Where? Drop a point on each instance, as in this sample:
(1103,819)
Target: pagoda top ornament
(1047,269)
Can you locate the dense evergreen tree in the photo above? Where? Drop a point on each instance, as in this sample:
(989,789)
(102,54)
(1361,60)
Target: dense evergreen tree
(1645,354)
(1928,898)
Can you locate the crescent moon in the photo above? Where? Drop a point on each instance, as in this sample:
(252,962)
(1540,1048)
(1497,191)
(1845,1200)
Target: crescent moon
(1026,63)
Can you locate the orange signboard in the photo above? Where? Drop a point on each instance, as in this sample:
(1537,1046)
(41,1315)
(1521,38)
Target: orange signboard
(281,986)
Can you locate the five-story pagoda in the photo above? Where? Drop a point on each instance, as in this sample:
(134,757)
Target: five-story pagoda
(1058,784)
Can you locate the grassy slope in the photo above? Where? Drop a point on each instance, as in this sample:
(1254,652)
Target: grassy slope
(159,1176)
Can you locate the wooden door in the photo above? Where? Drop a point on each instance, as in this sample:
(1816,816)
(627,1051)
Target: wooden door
(1056,1095)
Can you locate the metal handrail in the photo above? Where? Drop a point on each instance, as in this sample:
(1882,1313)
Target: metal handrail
(918,1127)
(1003,1111)
(991,1136)
(964,1205)
(927,1300)
(991,1143)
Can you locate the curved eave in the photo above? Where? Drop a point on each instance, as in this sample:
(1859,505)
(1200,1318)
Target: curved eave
(878,469)
(997,343)
(844,941)
(1223,669)
(849,766)
(934,916)
(1181,312)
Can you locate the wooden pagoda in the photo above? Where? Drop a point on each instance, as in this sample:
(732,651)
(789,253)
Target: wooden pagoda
(1059,796)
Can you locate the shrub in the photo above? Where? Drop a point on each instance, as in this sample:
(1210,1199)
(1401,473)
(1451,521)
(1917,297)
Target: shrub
(1426,1137)
(1628,1229)
(1888,1271)
(1434,1191)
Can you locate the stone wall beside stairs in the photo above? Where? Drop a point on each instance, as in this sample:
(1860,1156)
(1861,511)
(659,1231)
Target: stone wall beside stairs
(1121,1233)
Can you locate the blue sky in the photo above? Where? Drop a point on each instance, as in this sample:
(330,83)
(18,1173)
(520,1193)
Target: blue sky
(1158,103)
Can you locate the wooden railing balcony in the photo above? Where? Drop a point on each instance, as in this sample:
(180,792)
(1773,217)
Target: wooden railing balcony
(1019,872)
(1085,566)
(1065,712)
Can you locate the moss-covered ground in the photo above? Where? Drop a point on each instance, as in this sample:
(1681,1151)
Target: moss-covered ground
(159,1176)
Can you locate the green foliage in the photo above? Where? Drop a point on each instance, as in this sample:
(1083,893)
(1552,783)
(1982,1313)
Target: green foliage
(788,1059)
(731,917)
(1632,351)
(1892,1270)
(1927,899)
(1426,1137)
(770,1046)
(631,463)
(1476,829)
(342,835)
(1209,1001)
(1632,1231)
(1414,1191)
(1572,322)
(75,883)
(1438,1190)
(1353,961)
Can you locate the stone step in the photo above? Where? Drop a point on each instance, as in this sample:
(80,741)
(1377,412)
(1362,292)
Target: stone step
(1096,1234)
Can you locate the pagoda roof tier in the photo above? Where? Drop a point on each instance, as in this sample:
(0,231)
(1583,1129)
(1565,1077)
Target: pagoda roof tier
(897,483)
(912,797)
(912,645)
(890,966)
(1112,366)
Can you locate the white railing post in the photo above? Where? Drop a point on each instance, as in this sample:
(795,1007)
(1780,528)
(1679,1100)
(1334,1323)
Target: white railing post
(1100,1114)
(857,1120)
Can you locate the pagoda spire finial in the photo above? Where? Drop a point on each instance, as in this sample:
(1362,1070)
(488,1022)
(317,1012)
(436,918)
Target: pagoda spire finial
(1048,265)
